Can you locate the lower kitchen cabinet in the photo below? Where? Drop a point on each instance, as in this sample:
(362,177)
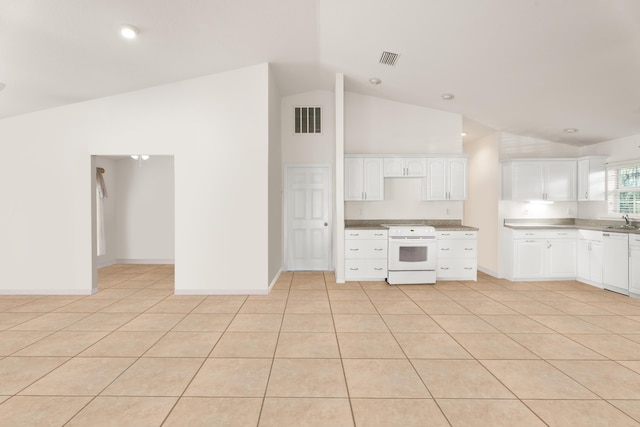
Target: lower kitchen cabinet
(540,255)
(457,255)
(589,257)
(634,265)
(365,254)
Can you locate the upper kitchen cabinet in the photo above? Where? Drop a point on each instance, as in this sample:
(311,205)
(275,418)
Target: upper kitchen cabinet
(396,167)
(591,178)
(363,178)
(446,179)
(548,179)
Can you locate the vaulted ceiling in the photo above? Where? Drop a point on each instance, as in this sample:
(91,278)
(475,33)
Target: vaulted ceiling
(528,67)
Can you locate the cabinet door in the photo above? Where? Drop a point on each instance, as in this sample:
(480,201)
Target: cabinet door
(560,180)
(583,179)
(634,270)
(596,258)
(393,167)
(415,167)
(373,178)
(528,258)
(353,178)
(561,258)
(457,174)
(583,260)
(527,181)
(434,186)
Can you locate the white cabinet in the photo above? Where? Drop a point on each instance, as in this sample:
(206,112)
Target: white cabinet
(589,257)
(457,255)
(591,178)
(365,253)
(363,178)
(446,179)
(397,167)
(634,265)
(548,179)
(544,254)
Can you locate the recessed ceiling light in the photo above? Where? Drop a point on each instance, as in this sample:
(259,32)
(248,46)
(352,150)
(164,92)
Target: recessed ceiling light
(2,86)
(448,96)
(375,81)
(570,130)
(129,32)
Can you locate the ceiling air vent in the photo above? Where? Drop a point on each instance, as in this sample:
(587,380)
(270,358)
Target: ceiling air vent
(389,58)
(307,120)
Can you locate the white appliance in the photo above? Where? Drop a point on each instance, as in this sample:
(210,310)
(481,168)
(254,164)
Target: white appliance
(615,266)
(412,253)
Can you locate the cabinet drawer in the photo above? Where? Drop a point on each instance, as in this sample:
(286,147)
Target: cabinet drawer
(350,234)
(457,234)
(365,249)
(461,269)
(634,240)
(457,249)
(360,269)
(545,234)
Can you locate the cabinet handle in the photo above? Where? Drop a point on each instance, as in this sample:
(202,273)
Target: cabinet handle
(444,268)
(354,269)
(530,241)
(354,234)
(378,269)
(528,234)
(548,244)
(354,249)
(468,268)
(378,234)
(468,249)
(468,234)
(446,234)
(444,249)
(586,195)
(377,249)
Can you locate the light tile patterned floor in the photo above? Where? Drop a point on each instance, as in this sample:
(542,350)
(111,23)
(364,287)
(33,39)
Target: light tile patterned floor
(317,353)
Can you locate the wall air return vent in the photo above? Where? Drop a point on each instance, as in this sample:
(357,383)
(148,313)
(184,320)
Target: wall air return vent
(389,58)
(307,120)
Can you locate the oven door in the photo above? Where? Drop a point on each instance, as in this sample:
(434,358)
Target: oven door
(412,253)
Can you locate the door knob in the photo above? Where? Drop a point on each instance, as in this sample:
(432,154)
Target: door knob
(326,223)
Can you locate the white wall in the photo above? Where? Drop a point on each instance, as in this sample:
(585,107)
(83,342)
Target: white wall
(216,127)
(275,247)
(483,198)
(379,126)
(308,148)
(524,147)
(145,210)
(110,177)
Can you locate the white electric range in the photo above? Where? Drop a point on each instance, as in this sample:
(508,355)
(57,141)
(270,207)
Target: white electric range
(412,254)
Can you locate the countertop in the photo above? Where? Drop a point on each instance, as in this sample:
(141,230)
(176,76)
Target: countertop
(438,224)
(568,224)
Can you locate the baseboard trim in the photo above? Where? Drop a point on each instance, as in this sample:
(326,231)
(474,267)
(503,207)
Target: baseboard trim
(489,272)
(46,292)
(144,261)
(275,280)
(239,292)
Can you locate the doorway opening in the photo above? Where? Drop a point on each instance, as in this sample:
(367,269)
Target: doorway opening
(133,222)
(308,217)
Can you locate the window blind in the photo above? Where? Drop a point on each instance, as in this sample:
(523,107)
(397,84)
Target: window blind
(623,187)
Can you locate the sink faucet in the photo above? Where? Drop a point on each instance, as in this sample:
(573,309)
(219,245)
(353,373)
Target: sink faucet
(626,218)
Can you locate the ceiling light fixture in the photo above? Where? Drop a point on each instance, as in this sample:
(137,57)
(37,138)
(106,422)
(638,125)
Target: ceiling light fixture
(129,32)
(375,81)
(570,130)
(448,96)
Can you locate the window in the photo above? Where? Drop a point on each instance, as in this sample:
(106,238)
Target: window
(623,188)
(307,119)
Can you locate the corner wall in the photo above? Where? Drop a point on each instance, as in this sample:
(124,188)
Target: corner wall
(275,221)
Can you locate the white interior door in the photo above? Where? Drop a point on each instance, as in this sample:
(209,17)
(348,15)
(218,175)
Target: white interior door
(308,211)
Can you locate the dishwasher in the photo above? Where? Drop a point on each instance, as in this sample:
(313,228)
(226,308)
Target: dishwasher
(615,266)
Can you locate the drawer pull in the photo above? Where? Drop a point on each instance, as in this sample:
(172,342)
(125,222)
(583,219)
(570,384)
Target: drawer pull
(468,234)
(378,269)
(562,234)
(353,234)
(378,234)
(468,249)
(354,269)
(377,249)
(444,268)
(446,234)
(354,249)
(468,268)
(445,249)
(529,234)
